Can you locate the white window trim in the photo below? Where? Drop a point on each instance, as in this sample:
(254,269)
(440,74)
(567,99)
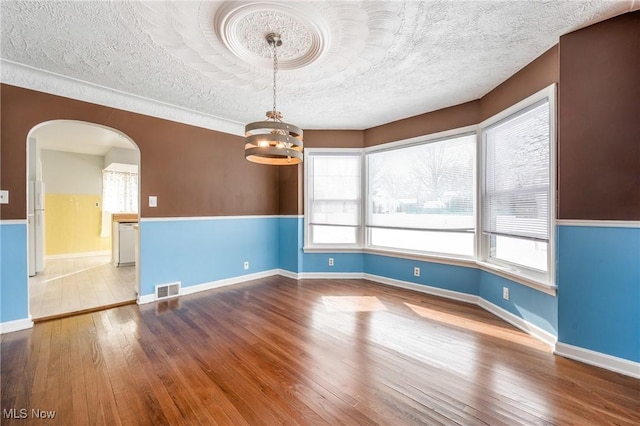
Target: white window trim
(308,247)
(527,276)
(405,143)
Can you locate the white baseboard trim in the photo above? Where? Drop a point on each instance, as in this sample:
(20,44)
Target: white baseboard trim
(330,275)
(226,282)
(535,331)
(288,274)
(77,255)
(598,359)
(423,288)
(148,298)
(17,325)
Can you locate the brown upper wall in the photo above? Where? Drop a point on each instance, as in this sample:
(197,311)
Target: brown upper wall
(599,121)
(333,139)
(193,171)
(541,73)
(291,201)
(432,122)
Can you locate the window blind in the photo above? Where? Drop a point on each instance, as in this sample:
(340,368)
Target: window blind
(516,199)
(334,197)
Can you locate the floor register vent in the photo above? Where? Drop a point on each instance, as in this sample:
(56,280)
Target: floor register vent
(165,291)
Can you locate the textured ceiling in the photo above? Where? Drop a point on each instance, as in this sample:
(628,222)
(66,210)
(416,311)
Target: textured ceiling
(343,65)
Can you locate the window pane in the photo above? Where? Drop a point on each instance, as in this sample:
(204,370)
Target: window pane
(532,254)
(335,212)
(419,188)
(516,187)
(336,177)
(423,186)
(334,188)
(333,234)
(119,191)
(454,243)
(517,175)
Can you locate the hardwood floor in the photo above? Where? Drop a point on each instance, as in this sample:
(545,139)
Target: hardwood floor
(78,284)
(280,351)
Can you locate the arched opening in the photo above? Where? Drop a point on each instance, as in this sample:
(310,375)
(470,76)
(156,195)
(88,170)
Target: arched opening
(82,214)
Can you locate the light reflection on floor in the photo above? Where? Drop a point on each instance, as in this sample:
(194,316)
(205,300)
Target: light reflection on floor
(430,337)
(500,332)
(353,304)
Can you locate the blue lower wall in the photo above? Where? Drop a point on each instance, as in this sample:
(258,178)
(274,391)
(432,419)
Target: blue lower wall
(531,305)
(343,262)
(597,308)
(599,289)
(290,242)
(206,250)
(446,277)
(14,296)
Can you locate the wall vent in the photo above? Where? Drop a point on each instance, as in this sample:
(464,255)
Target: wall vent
(165,291)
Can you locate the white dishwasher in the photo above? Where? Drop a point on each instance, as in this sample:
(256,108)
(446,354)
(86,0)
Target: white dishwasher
(124,251)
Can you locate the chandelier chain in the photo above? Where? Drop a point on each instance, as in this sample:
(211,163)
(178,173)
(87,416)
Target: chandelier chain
(273,141)
(275,73)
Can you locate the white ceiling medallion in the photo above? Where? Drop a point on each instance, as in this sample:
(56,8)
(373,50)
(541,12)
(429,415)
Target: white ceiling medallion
(242,27)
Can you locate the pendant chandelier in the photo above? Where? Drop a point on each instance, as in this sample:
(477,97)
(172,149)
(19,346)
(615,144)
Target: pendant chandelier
(273,141)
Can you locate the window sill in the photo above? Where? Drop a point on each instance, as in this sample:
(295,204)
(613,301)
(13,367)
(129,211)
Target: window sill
(544,287)
(332,249)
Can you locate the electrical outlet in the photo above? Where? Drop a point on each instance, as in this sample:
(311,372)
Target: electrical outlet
(505,293)
(331,261)
(246,265)
(4,196)
(416,272)
(153,201)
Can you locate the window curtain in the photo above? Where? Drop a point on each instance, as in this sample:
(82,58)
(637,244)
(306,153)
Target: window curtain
(119,195)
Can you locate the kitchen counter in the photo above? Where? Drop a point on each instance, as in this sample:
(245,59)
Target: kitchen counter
(125,217)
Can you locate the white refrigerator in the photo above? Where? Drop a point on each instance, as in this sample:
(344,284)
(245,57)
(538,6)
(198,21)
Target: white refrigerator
(35,231)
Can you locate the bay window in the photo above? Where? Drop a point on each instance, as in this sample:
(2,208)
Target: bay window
(418,197)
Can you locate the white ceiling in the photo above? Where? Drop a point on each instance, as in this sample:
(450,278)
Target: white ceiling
(343,65)
(79,137)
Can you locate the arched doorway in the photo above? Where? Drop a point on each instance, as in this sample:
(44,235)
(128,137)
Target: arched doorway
(79,174)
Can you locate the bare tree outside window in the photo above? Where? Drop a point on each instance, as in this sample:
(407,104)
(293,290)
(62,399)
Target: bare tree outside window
(421,196)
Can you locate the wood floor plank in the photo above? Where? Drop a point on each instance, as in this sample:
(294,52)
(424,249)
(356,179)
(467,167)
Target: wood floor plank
(313,352)
(73,285)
